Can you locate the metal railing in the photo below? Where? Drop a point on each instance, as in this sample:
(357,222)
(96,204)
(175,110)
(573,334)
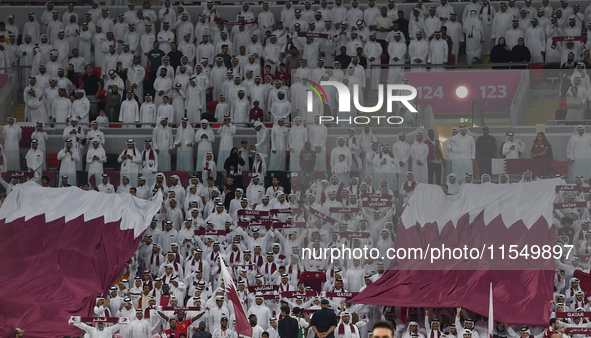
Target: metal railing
(18,70)
(569,122)
(479,66)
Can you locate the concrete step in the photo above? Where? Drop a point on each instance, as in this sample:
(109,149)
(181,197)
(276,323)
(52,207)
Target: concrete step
(19,112)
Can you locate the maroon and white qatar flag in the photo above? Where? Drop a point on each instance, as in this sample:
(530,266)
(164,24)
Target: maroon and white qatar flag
(242,325)
(457,246)
(60,249)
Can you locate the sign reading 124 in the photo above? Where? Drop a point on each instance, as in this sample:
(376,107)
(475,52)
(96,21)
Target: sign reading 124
(427,93)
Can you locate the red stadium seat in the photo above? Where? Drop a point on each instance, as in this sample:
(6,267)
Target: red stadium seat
(147,73)
(25,141)
(384,61)
(211,106)
(559,167)
(537,72)
(97,71)
(52,161)
(318,175)
(246,176)
(79,82)
(562,104)
(116,125)
(451,60)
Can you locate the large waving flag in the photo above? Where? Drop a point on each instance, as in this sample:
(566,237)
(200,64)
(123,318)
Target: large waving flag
(60,249)
(242,325)
(508,231)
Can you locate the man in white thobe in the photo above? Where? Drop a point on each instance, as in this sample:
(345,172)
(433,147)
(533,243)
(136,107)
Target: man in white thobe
(277,158)
(501,23)
(373,52)
(35,158)
(438,50)
(578,152)
(69,158)
(129,113)
(184,139)
(95,158)
(163,143)
(418,51)
(464,150)
(535,40)
(131,161)
(419,151)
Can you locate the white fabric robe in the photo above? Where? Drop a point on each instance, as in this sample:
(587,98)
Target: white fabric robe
(148,114)
(68,164)
(35,159)
(579,150)
(318,134)
(163,142)
(193,103)
(12,136)
(204,145)
(161,84)
(297,137)
(419,151)
(226,142)
(135,77)
(184,141)
(279,143)
(95,167)
(129,113)
(130,167)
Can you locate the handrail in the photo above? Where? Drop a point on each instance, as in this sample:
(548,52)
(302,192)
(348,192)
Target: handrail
(477,65)
(557,122)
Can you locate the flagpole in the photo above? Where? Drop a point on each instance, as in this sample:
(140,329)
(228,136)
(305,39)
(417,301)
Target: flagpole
(491,320)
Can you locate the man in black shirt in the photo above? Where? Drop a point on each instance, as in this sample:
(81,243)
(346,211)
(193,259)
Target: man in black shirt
(225,56)
(229,190)
(324,321)
(201,332)
(175,56)
(447,38)
(155,60)
(402,24)
(568,66)
(288,326)
(362,59)
(343,58)
(91,84)
(486,149)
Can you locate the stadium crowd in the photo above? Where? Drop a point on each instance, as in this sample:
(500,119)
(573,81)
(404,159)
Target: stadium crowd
(161,70)
(175,65)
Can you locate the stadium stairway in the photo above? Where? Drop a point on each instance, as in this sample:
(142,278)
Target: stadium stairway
(542,107)
(19,112)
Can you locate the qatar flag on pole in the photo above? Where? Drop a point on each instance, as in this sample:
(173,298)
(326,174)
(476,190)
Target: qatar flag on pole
(501,227)
(60,249)
(242,325)
(491,317)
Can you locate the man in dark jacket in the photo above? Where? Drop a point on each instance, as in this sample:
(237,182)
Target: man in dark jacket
(486,148)
(324,321)
(288,326)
